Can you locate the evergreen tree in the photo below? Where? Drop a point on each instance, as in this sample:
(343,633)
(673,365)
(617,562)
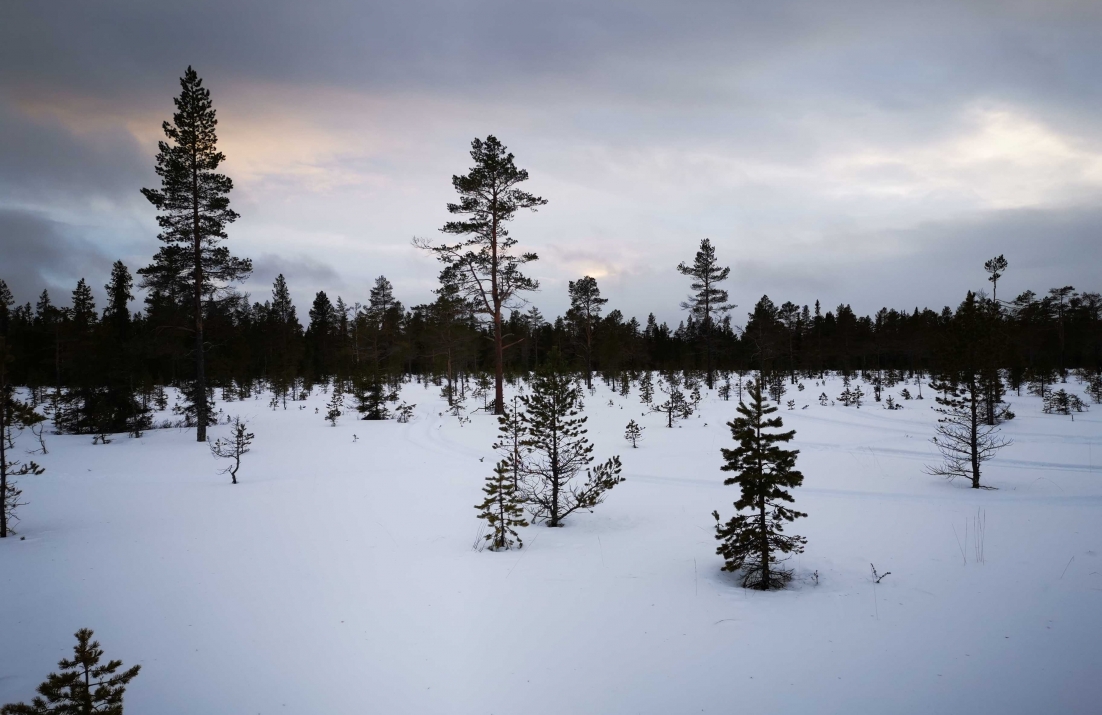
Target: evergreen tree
(83,686)
(963,439)
(995,268)
(83,312)
(676,406)
(234,447)
(646,388)
(194,210)
(324,327)
(15,416)
(119,294)
(707,300)
(336,404)
(484,266)
(633,433)
(372,397)
(6,301)
(765,471)
(510,441)
(585,312)
(560,450)
(502,509)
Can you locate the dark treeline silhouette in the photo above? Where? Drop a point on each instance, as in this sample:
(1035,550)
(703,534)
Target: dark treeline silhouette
(101,368)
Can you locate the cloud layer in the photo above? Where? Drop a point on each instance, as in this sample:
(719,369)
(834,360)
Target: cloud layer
(872,153)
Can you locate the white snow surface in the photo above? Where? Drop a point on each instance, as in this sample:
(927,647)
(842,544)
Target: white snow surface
(339,575)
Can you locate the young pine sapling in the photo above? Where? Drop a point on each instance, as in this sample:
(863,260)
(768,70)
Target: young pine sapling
(232,448)
(633,433)
(502,509)
(82,686)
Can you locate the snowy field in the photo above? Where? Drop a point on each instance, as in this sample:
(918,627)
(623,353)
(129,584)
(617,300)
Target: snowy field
(339,576)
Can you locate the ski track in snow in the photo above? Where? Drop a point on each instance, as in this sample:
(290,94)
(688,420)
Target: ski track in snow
(339,576)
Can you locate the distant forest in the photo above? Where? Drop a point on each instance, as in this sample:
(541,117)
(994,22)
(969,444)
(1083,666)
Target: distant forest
(103,368)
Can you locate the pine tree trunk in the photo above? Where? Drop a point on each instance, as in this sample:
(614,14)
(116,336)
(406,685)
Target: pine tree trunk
(200,363)
(974,431)
(764,546)
(555,468)
(499,358)
(3,458)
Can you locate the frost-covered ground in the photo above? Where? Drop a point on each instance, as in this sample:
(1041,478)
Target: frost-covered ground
(339,576)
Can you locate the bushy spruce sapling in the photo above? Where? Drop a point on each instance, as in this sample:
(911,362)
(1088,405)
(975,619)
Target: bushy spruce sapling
(1062,402)
(233,447)
(83,686)
(753,540)
(333,410)
(502,509)
(372,397)
(559,450)
(633,433)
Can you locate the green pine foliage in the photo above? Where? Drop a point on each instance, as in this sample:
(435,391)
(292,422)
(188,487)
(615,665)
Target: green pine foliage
(502,509)
(560,451)
(753,540)
(83,686)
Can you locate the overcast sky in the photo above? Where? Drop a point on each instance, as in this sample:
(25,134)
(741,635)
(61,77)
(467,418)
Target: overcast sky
(874,153)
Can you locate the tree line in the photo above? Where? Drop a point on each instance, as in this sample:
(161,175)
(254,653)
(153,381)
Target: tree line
(100,368)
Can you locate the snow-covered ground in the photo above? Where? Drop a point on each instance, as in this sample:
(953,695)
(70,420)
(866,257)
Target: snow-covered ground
(339,576)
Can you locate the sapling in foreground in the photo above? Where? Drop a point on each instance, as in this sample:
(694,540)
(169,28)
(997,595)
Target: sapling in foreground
(502,509)
(83,686)
(232,448)
(559,450)
(754,542)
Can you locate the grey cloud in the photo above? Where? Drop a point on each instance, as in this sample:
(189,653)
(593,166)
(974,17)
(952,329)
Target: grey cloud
(37,253)
(607,99)
(305,277)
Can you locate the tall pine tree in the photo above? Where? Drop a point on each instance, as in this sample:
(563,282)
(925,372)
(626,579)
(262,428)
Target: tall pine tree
(485,266)
(708,300)
(752,541)
(193,208)
(585,312)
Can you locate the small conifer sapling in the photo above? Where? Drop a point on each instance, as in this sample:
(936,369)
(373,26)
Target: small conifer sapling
(83,686)
(559,450)
(502,509)
(232,448)
(633,433)
(753,540)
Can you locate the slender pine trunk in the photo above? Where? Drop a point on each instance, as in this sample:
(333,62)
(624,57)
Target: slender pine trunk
(200,361)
